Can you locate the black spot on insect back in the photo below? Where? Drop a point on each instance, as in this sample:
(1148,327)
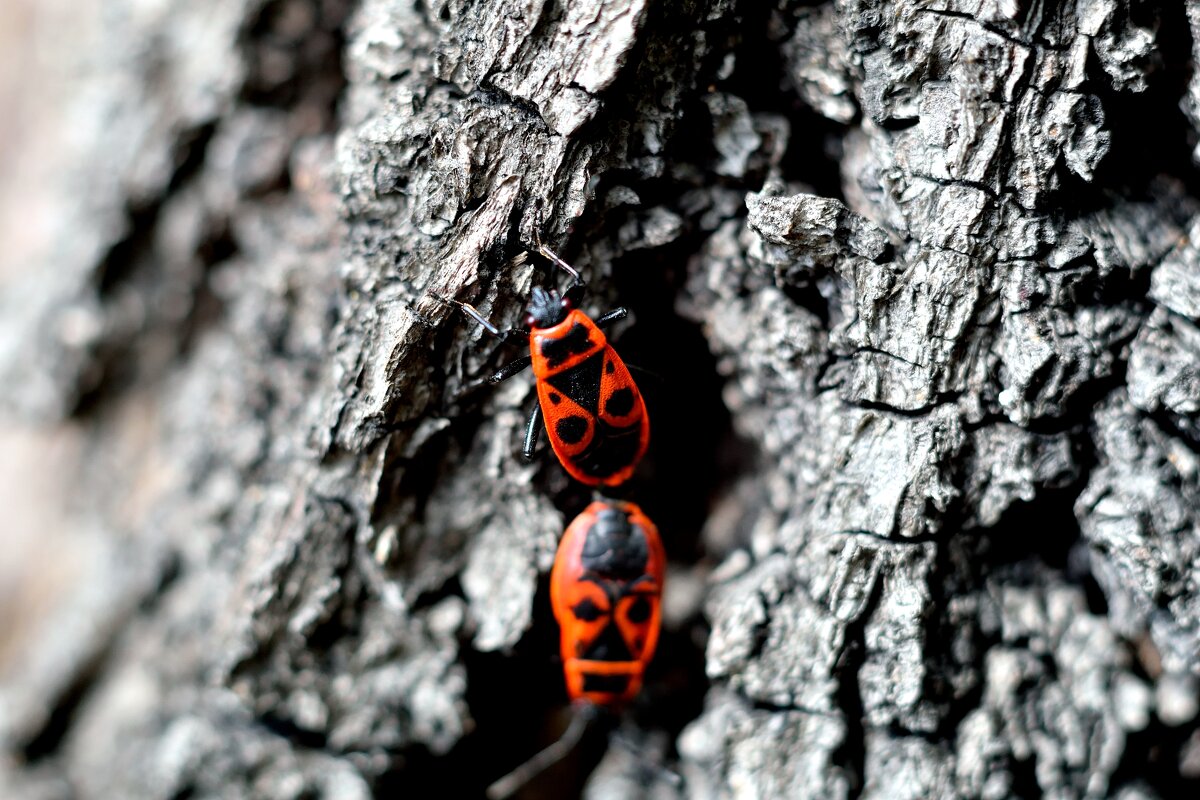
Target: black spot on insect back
(587,611)
(571,429)
(573,342)
(619,402)
(611,449)
(639,611)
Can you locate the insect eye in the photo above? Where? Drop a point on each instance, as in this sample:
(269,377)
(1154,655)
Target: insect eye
(567,304)
(530,321)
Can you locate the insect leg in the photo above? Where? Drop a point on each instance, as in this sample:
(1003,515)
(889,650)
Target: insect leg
(510,369)
(510,783)
(653,376)
(532,431)
(612,316)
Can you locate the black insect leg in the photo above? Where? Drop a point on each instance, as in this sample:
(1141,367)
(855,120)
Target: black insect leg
(510,369)
(612,316)
(533,430)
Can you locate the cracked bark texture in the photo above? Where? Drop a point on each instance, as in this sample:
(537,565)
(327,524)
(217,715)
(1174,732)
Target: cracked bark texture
(922,281)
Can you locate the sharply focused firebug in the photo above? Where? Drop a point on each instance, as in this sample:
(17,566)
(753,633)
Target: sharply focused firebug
(591,409)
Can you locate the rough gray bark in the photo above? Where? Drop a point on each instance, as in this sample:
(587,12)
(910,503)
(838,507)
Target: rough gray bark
(921,277)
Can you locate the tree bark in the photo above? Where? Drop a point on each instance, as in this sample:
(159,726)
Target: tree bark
(921,281)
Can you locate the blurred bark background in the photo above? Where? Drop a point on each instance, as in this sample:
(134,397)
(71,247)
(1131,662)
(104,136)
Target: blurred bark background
(922,281)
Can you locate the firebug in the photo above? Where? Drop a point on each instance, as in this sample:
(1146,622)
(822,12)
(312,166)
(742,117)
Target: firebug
(588,403)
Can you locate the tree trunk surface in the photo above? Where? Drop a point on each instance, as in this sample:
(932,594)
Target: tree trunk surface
(920,282)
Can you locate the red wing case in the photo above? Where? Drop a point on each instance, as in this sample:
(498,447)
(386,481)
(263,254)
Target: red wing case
(594,414)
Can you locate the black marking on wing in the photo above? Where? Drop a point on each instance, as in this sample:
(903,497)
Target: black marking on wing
(581,383)
(555,398)
(587,611)
(619,402)
(611,449)
(610,368)
(571,429)
(639,611)
(573,342)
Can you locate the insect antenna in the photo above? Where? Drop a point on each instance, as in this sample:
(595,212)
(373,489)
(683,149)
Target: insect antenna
(508,785)
(552,257)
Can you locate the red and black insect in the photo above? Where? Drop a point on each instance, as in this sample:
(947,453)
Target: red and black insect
(588,403)
(606,590)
